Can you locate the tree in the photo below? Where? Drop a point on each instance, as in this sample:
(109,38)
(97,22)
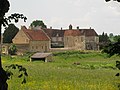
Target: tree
(113,0)
(4,7)
(112,48)
(10,33)
(103,40)
(116,38)
(38,23)
(12,49)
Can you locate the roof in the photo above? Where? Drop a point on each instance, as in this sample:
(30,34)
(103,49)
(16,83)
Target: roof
(72,33)
(36,35)
(40,55)
(54,32)
(88,32)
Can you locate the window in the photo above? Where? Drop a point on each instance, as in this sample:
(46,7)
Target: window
(54,39)
(36,47)
(32,47)
(81,39)
(26,40)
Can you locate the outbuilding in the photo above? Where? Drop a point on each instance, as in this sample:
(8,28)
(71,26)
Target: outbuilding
(46,57)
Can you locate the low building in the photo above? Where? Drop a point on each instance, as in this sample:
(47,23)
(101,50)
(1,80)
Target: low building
(46,57)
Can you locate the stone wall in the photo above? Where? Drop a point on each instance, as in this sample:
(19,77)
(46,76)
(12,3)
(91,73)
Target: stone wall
(21,38)
(76,42)
(39,46)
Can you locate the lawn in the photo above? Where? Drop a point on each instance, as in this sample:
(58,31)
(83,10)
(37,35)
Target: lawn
(68,71)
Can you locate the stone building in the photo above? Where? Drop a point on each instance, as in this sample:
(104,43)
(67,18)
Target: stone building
(32,40)
(41,40)
(81,39)
(91,39)
(56,36)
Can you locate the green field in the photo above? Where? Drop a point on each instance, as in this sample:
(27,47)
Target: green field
(68,71)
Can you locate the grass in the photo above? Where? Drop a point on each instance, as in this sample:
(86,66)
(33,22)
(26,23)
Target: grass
(94,72)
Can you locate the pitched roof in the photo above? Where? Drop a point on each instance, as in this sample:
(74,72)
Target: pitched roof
(88,32)
(40,55)
(72,33)
(54,32)
(36,35)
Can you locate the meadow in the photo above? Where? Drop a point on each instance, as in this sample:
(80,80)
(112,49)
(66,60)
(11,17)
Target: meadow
(73,70)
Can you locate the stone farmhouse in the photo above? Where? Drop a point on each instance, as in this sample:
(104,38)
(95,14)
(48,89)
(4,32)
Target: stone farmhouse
(41,40)
(32,40)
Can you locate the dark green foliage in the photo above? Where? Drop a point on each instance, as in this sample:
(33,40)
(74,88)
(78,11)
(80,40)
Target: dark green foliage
(12,49)
(112,48)
(103,40)
(22,71)
(10,33)
(38,23)
(15,17)
(116,38)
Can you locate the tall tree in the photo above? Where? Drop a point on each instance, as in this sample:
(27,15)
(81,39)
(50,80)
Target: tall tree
(104,40)
(37,23)
(4,7)
(10,33)
(116,38)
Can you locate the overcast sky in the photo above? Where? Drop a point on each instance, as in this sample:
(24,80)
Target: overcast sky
(96,14)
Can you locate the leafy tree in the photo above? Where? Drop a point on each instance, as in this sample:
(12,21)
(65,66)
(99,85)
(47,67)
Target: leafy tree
(4,7)
(112,48)
(116,38)
(12,49)
(111,37)
(38,23)
(10,33)
(103,40)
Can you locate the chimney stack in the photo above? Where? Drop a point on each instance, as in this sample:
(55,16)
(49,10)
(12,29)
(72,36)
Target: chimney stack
(50,27)
(70,27)
(61,28)
(77,27)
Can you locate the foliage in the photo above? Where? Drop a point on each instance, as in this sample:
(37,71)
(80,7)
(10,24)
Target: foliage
(116,38)
(112,48)
(38,23)
(10,33)
(113,0)
(12,49)
(103,40)
(15,17)
(4,8)
(21,69)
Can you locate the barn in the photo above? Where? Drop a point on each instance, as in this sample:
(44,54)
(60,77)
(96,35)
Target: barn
(46,57)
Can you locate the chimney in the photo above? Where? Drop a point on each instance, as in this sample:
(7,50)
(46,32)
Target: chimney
(70,27)
(50,27)
(23,28)
(61,28)
(77,27)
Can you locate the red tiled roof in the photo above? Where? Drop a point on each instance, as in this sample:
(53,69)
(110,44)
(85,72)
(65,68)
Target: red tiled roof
(36,35)
(72,33)
(88,32)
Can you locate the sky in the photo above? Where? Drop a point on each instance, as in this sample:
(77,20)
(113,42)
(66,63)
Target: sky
(97,14)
